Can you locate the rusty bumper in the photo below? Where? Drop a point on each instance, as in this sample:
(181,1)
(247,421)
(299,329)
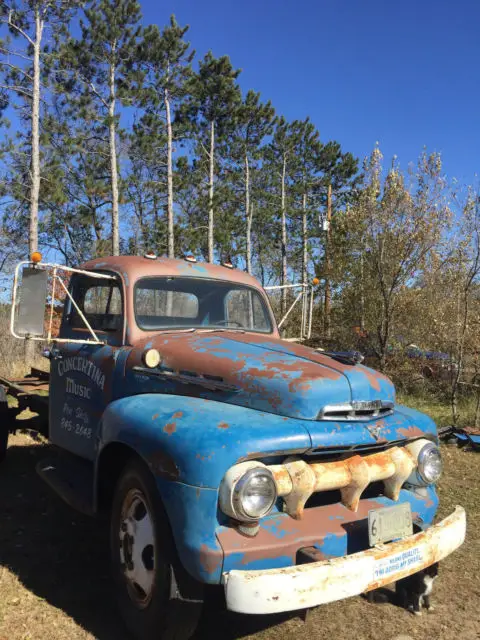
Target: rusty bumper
(309,585)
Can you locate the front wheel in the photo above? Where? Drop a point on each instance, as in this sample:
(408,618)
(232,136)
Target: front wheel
(142,553)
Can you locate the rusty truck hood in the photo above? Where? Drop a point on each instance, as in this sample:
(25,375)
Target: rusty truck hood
(256,371)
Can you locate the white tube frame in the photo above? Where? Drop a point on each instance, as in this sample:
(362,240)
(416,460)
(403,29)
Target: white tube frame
(56,277)
(306,295)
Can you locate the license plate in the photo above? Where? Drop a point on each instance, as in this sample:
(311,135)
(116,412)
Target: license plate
(390,523)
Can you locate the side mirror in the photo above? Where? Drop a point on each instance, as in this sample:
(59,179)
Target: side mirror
(29,319)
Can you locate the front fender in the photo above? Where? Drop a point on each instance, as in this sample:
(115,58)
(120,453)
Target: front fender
(188,444)
(193,440)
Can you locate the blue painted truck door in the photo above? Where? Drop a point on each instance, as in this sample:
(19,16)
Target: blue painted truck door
(81,378)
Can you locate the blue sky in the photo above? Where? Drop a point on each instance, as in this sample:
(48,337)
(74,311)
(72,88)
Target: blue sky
(403,73)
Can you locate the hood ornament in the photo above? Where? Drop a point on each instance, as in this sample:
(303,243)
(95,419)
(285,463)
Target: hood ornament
(345,357)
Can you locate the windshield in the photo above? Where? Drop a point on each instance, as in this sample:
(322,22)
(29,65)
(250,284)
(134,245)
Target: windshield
(183,303)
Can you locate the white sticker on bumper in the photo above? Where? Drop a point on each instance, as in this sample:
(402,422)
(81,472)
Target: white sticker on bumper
(399,562)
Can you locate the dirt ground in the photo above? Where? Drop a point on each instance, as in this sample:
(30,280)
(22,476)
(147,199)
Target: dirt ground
(54,575)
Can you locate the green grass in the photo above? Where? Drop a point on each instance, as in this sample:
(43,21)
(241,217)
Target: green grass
(440,410)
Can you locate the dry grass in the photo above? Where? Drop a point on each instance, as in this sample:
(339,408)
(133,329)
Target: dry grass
(12,350)
(54,577)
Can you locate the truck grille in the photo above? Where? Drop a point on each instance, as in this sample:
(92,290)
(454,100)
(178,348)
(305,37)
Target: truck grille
(297,480)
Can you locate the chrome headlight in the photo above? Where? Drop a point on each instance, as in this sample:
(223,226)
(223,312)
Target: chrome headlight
(248,492)
(429,463)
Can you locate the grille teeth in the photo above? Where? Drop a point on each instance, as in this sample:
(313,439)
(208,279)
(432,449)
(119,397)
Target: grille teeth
(297,480)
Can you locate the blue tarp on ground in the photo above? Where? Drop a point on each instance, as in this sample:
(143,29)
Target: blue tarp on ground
(466,436)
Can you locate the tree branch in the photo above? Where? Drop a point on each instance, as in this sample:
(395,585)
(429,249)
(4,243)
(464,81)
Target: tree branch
(18,89)
(16,28)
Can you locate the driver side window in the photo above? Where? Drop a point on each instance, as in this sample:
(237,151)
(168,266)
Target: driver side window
(100,301)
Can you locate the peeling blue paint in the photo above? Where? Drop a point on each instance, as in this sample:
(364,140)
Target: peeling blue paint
(189,435)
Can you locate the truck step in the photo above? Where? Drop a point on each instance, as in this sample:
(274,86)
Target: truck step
(72,479)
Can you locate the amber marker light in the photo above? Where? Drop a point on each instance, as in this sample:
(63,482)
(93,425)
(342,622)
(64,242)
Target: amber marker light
(315,281)
(36,257)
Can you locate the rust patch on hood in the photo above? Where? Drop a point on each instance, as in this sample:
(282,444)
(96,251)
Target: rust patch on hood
(374,377)
(411,432)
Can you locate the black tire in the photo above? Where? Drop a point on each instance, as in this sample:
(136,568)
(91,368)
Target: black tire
(160,615)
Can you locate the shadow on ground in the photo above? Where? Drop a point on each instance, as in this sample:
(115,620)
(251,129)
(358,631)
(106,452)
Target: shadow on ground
(62,557)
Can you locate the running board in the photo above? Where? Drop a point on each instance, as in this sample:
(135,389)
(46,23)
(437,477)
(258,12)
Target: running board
(71,479)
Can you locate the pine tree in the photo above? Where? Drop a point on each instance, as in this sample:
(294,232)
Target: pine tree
(280,161)
(166,59)
(21,67)
(76,194)
(214,95)
(253,123)
(103,73)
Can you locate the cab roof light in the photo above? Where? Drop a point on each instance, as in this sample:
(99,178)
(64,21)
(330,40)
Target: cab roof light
(150,255)
(36,257)
(227,264)
(190,258)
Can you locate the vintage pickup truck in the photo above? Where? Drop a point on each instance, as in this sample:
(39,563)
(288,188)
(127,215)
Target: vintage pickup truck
(224,455)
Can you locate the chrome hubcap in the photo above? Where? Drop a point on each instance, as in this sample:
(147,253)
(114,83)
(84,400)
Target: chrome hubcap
(137,547)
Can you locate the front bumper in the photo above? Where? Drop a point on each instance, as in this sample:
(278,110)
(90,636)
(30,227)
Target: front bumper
(309,585)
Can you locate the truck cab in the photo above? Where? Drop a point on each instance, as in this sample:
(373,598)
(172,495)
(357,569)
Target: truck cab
(227,456)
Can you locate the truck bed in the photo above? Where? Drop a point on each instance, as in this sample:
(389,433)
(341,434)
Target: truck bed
(31,393)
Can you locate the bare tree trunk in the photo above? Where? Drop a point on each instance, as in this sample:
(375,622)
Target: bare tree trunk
(35,190)
(460,353)
(171,232)
(210,192)
(326,319)
(29,353)
(113,159)
(362,295)
(477,412)
(304,240)
(248,215)
(284,237)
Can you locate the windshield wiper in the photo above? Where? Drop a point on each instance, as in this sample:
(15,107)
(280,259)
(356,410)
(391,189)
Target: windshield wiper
(215,329)
(202,329)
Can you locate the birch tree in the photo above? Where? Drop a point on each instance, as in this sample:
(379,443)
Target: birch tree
(463,271)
